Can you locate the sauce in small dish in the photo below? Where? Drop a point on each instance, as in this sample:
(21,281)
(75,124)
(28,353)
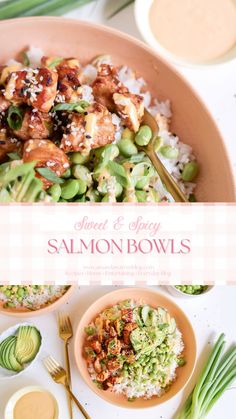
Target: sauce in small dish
(35,405)
(32,402)
(197,31)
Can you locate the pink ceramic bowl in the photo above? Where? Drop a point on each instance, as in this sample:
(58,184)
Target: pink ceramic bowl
(191,119)
(154,299)
(25,313)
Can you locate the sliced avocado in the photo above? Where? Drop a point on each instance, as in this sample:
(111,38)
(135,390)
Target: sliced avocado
(7,351)
(4,343)
(162,314)
(145,313)
(137,316)
(27,344)
(145,340)
(172,326)
(15,365)
(8,359)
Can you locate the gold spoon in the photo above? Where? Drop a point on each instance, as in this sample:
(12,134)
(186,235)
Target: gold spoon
(171,185)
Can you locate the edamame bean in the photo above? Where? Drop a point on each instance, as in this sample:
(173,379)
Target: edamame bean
(78,158)
(70,188)
(20,292)
(128,134)
(106,198)
(141,197)
(153,195)
(143,136)
(158,143)
(93,196)
(104,188)
(169,152)
(66,174)
(81,199)
(55,192)
(127,147)
(190,171)
(82,172)
(82,187)
(142,183)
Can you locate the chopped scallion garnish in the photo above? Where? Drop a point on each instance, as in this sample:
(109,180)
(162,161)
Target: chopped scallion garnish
(15,117)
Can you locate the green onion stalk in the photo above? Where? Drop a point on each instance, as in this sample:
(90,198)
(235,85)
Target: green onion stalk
(217,375)
(16,8)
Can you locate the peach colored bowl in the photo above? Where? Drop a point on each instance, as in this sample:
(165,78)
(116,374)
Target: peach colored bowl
(25,313)
(154,299)
(191,119)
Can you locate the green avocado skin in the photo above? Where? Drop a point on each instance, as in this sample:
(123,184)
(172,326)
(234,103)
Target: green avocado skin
(20,349)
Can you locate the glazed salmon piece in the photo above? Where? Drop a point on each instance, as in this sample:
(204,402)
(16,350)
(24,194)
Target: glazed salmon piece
(110,92)
(68,71)
(4,104)
(46,154)
(34,87)
(35,125)
(130,108)
(90,130)
(8,145)
(105,85)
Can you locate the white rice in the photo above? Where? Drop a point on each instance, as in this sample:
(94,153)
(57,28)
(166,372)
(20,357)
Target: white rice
(44,296)
(35,55)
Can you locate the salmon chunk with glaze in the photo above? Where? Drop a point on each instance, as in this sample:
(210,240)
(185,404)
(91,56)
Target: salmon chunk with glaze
(90,130)
(8,145)
(34,87)
(46,154)
(35,125)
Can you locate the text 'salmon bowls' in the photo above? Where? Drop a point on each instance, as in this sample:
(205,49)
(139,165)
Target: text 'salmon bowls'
(191,120)
(154,299)
(26,313)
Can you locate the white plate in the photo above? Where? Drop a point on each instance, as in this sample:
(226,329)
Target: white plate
(4,373)
(9,410)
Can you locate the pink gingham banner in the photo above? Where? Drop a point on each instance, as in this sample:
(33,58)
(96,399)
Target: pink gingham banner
(118,244)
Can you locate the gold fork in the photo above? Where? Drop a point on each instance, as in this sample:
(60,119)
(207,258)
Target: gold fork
(66,333)
(59,375)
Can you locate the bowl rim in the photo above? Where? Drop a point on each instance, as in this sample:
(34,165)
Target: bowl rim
(9,332)
(142,9)
(8,411)
(44,310)
(91,385)
(148,49)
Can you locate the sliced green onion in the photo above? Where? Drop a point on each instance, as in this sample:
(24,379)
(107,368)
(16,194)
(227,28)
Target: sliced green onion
(119,172)
(25,59)
(15,117)
(49,175)
(69,107)
(55,62)
(14,156)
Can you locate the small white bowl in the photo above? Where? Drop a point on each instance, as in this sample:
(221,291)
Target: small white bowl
(177,293)
(141,11)
(4,373)
(9,409)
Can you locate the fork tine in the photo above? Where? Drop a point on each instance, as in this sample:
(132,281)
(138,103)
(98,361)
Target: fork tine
(54,364)
(48,365)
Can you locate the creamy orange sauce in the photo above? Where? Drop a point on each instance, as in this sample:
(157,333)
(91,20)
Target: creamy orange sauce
(35,405)
(196,30)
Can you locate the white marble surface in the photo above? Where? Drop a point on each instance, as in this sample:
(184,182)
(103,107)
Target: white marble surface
(217,85)
(210,315)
